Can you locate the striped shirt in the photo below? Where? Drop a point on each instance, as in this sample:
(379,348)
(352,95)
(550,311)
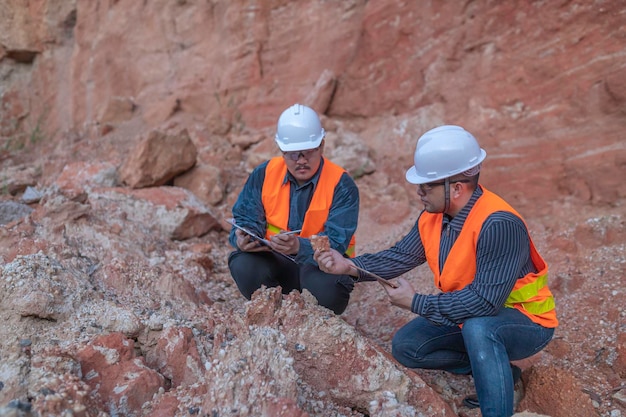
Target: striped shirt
(340,225)
(502,257)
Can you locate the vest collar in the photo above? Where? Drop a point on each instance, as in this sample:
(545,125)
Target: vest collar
(458,221)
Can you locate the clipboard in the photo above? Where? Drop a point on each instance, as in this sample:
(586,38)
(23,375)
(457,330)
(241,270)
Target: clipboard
(263,241)
(259,239)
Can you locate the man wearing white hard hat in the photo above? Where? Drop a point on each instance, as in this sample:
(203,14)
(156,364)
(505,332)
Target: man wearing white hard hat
(285,201)
(493,305)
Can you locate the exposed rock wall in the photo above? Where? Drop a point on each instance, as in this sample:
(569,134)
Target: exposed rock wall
(99,280)
(540,83)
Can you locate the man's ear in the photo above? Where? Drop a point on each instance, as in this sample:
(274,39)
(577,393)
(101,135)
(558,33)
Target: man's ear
(458,188)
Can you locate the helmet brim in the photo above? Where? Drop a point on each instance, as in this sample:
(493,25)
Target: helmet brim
(293,147)
(413,178)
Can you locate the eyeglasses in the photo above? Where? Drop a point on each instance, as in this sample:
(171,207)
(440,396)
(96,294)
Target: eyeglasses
(426,188)
(295,155)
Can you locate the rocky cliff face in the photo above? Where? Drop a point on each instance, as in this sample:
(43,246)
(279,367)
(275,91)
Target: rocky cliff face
(127,129)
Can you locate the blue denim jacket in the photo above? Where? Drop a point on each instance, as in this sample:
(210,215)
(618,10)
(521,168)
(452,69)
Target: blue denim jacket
(342,219)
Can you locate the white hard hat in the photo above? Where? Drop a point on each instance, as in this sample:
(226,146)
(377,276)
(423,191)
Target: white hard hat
(443,152)
(299,128)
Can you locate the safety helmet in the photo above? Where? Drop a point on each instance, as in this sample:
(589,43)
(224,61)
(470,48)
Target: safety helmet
(299,128)
(443,152)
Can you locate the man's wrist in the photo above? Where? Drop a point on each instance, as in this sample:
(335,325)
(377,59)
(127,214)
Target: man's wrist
(352,271)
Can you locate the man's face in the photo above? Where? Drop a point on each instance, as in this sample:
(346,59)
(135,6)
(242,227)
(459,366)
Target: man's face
(304,164)
(432,196)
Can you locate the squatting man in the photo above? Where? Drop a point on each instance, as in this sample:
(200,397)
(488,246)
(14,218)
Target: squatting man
(287,200)
(494,305)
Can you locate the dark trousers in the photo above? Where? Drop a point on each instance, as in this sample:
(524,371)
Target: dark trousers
(251,270)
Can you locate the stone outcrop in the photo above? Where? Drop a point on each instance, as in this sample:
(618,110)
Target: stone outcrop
(157,159)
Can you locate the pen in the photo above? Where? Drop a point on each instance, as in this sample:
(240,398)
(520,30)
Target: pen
(379,279)
(291,232)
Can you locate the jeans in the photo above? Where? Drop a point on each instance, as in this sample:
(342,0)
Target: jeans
(251,270)
(484,347)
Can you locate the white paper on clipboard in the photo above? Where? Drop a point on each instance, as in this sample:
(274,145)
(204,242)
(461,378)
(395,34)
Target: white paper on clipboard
(259,239)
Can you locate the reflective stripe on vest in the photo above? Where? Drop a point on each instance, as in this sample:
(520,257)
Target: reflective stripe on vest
(529,290)
(530,294)
(272,230)
(276,196)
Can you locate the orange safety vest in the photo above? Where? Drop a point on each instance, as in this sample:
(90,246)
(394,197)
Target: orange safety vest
(275,197)
(530,295)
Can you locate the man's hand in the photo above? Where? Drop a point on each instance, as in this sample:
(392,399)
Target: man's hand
(248,244)
(332,262)
(285,243)
(401,296)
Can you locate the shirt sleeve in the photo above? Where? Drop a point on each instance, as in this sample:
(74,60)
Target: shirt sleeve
(342,221)
(502,257)
(406,254)
(248,210)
